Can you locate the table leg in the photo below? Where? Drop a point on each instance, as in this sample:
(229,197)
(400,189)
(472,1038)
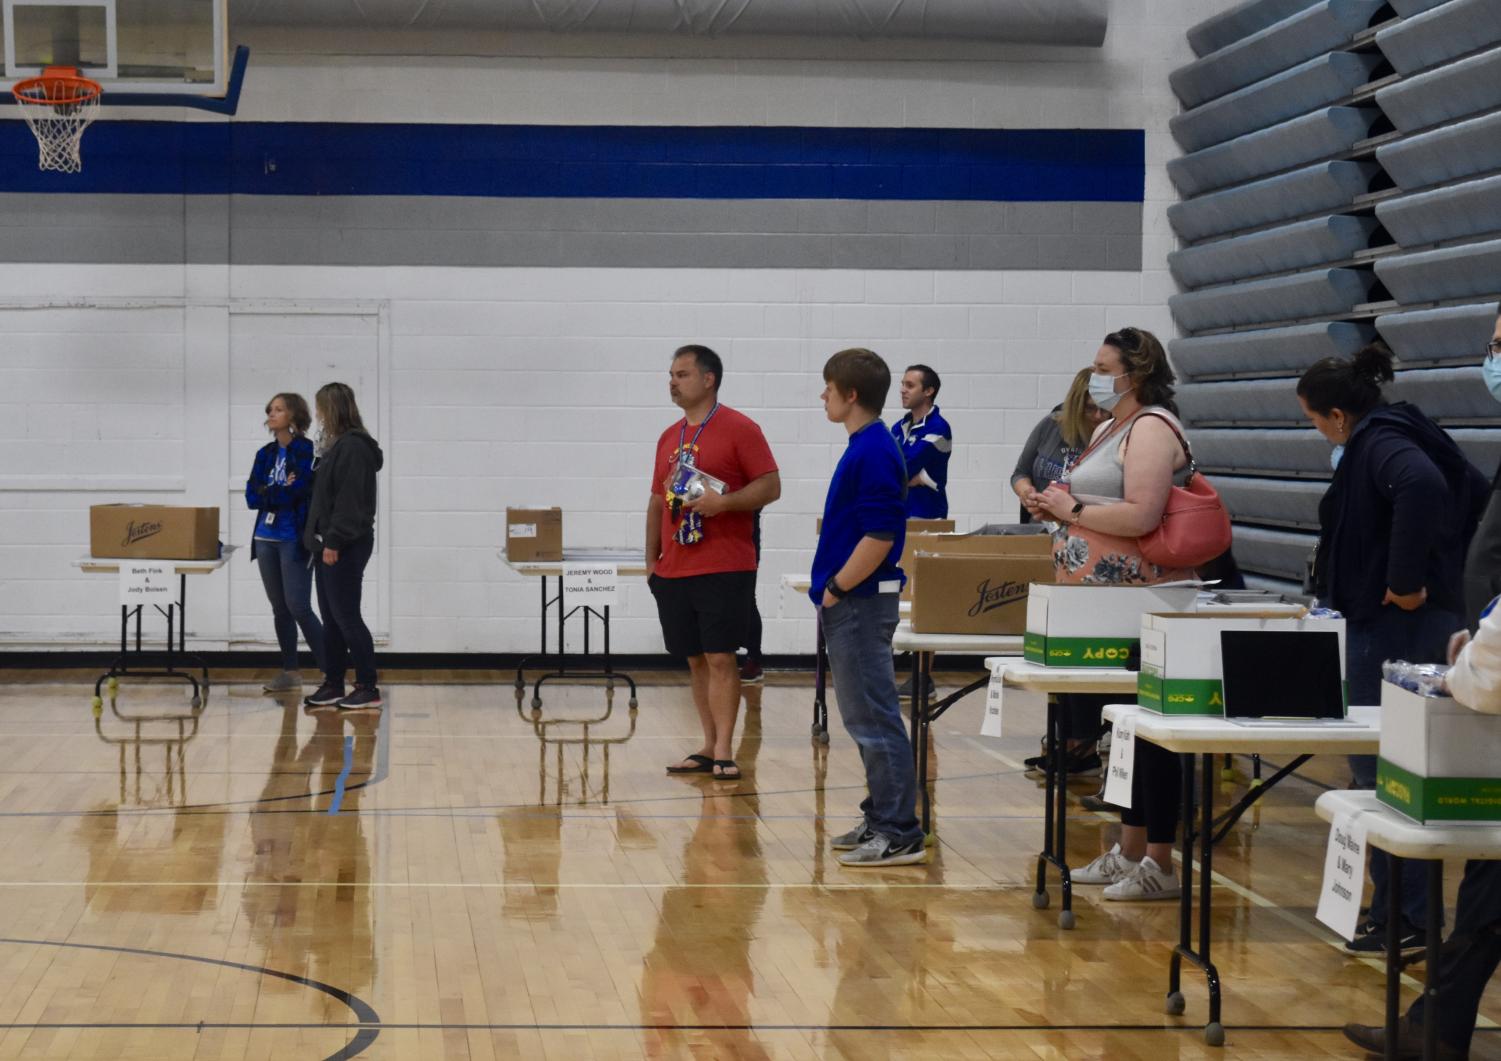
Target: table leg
(820,681)
(1175,1001)
(1431,973)
(1393,956)
(1055,818)
(922,724)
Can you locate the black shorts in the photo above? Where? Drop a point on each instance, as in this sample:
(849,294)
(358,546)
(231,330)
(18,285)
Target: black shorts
(704,613)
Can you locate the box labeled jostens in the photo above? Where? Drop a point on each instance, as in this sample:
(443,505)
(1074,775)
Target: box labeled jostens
(1094,626)
(154,532)
(1439,760)
(534,534)
(981,592)
(1182,672)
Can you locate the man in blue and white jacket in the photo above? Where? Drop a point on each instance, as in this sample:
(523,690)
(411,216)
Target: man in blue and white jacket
(926,442)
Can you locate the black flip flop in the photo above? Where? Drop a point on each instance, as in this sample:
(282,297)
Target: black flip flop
(702,764)
(721,768)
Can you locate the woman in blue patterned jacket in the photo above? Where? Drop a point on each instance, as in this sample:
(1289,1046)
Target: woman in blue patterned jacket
(279,488)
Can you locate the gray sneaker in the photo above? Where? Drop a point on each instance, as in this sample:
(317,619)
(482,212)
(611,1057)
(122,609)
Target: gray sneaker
(879,851)
(852,839)
(285,682)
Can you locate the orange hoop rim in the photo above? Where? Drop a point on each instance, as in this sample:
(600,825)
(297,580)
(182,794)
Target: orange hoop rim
(60,85)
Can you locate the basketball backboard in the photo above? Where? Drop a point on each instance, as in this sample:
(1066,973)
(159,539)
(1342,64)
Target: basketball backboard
(152,48)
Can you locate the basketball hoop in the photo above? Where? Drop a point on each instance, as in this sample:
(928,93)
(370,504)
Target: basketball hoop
(58,106)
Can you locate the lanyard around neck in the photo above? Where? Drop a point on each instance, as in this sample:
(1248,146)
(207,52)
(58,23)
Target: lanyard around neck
(683,431)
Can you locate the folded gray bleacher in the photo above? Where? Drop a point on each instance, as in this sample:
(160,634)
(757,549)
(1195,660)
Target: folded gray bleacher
(1289,349)
(1326,132)
(1302,244)
(1450,152)
(1454,211)
(1280,502)
(1411,8)
(1281,553)
(1323,186)
(1270,451)
(1317,83)
(1446,32)
(1259,402)
(1314,293)
(1323,27)
(1240,21)
(1449,333)
(1449,273)
(1455,90)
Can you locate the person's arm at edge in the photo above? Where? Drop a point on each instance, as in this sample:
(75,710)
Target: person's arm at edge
(1475,678)
(653,534)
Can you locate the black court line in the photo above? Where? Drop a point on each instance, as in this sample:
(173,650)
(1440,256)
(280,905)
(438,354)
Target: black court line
(367,1026)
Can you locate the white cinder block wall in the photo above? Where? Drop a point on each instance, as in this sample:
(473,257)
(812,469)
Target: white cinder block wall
(538,386)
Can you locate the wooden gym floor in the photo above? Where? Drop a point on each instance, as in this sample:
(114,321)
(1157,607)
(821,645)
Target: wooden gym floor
(444,879)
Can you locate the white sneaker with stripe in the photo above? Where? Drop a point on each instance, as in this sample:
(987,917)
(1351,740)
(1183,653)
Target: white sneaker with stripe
(1109,868)
(1147,882)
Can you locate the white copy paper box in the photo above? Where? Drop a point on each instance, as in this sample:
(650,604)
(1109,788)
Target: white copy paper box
(1182,672)
(1439,760)
(1093,626)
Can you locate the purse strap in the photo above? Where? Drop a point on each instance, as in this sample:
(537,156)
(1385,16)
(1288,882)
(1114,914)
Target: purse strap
(1193,466)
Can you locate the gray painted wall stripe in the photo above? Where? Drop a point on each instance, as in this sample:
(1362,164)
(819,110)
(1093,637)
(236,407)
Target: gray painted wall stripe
(378,230)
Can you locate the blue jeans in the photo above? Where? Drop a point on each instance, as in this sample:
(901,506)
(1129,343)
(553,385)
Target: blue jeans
(1420,636)
(346,636)
(289,587)
(857,631)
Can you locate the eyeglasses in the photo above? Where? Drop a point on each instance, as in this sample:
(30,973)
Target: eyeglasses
(1493,348)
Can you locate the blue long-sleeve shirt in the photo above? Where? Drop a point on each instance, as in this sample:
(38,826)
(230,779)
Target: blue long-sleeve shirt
(926,445)
(865,499)
(288,500)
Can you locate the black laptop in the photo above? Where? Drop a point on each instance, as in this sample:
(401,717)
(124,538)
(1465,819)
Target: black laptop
(1282,677)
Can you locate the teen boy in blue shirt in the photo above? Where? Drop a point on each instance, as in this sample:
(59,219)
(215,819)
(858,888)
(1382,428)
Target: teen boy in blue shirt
(857,583)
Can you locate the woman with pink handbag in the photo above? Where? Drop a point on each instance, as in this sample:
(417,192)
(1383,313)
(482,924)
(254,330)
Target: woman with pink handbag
(1109,515)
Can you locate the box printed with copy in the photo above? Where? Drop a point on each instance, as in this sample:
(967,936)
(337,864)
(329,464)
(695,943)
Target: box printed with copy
(1094,626)
(534,534)
(1439,760)
(1181,669)
(154,532)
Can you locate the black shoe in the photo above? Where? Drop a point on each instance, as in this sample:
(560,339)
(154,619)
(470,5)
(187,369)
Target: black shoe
(1370,938)
(1083,765)
(362,697)
(905,689)
(1096,801)
(1372,1038)
(326,695)
(751,672)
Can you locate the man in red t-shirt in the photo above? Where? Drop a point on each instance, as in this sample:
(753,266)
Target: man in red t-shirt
(700,551)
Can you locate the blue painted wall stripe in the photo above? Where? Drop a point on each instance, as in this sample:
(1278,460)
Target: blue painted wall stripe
(520,161)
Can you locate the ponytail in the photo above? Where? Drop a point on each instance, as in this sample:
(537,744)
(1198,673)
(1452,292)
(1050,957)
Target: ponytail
(1353,385)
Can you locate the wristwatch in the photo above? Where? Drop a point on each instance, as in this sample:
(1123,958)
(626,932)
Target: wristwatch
(831,586)
(1075,511)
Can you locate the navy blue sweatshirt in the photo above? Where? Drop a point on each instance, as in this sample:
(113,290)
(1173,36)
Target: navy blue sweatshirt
(1398,515)
(866,499)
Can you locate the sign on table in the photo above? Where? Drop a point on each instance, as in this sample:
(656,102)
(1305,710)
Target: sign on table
(1344,876)
(593,584)
(145,583)
(1122,762)
(995,694)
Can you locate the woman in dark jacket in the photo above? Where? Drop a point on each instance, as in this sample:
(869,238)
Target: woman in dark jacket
(280,483)
(340,533)
(1394,526)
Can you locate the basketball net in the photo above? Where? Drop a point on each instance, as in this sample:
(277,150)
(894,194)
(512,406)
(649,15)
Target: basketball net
(58,106)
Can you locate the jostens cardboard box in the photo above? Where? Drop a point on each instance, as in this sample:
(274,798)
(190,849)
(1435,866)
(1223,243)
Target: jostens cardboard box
(976,584)
(1094,626)
(1439,760)
(1181,668)
(534,534)
(154,532)
(936,539)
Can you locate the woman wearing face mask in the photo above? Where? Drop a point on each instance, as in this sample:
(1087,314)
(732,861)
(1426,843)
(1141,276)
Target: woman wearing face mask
(1483,563)
(1115,493)
(1056,441)
(280,484)
(1393,529)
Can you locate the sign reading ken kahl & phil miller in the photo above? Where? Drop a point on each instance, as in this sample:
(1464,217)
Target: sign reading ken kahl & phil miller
(145,583)
(594,585)
(1344,876)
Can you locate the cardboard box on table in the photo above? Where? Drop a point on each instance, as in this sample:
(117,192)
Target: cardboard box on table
(1439,760)
(534,534)
(1094,626)
(1182,671)
(154,532)
(976,583)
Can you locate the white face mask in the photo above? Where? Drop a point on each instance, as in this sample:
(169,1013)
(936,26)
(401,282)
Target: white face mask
(1102,390)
